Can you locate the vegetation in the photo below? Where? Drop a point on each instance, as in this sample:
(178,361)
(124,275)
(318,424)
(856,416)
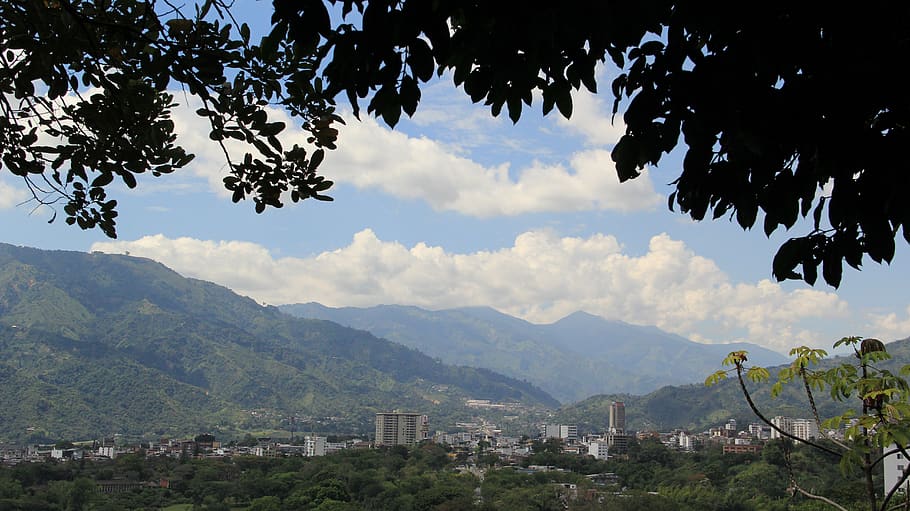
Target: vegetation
(755,94)
(765,131)
(96,344)
(424,478)
(590,354)
(696,407)
(876,424)
(85,101)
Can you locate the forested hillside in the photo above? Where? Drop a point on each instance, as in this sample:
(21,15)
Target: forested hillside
(574,358)
(95,344)
(697,407)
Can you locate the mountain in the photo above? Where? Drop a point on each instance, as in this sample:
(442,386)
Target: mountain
(96,344)
(696,407)
(576,357)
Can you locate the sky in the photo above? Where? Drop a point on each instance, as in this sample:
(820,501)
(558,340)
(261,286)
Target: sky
(457,208)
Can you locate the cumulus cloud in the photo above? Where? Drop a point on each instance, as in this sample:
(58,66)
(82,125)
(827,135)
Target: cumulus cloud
(541,277)
(592,117)
(11,196)
(420,168)
(371,156)
(889,326)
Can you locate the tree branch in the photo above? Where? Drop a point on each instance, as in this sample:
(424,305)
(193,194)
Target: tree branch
(742,385)
(794,488)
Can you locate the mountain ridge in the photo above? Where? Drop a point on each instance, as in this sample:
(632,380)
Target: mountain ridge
(124,344)
(575,357)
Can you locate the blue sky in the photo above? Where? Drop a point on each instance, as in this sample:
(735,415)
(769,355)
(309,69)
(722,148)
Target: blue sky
(457,208)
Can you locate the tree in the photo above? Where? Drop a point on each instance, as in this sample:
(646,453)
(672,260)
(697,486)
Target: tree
(879,425)
(81,110)
(764,96)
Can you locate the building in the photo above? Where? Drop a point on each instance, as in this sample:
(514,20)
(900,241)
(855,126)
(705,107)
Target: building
(314,446)
(783,423)
(759,431)
(742,448)
(599,449)
(894,465)
(619,443)
(567,432)
(685,441)
(804,429)
(401,428)
(618,418)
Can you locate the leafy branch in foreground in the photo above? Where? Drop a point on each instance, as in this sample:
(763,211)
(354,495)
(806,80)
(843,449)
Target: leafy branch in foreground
(84,100)
(880,427)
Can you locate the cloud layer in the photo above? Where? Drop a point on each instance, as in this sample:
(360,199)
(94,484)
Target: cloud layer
(541,277)
(371,156)
(11,196)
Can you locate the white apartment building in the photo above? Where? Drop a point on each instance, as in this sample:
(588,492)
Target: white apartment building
(894,466)
(599,449)
(314,446)
(568,432)
(401,428)
(803,429)
(686,442)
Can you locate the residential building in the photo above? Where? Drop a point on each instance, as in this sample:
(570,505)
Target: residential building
(599,449)
(742,448)
(894,466)
(804,429)
(686,441)
(619,443)
(567,432)
(784,423)
(397,428)
(314,446)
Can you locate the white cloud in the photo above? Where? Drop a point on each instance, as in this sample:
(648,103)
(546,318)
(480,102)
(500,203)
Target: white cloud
(541,277)
(419,168)
(11,196)
(592,117)
(889,326)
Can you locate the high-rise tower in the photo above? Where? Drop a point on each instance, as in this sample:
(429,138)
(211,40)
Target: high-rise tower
(618,417)
(401,428)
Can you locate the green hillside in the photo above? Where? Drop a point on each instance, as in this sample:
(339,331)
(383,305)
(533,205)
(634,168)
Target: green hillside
(697,407)
(95,344)
(574,358)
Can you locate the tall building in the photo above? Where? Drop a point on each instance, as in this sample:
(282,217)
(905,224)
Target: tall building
(894,465)
(618,417)
(314,445)
(599,449)
(401,428)
(784,423)
(803,429)
(567,432)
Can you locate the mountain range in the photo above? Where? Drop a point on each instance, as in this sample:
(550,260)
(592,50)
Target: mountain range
(696,407)
(576,357)
(96,344)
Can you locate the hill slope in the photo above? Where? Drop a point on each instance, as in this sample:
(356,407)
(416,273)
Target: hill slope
(576,357)
(696,407)
(98,344)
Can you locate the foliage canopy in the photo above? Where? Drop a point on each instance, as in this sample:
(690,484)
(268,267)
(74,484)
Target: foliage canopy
(761,95)
(85,100)
(877,427)
(768,99)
